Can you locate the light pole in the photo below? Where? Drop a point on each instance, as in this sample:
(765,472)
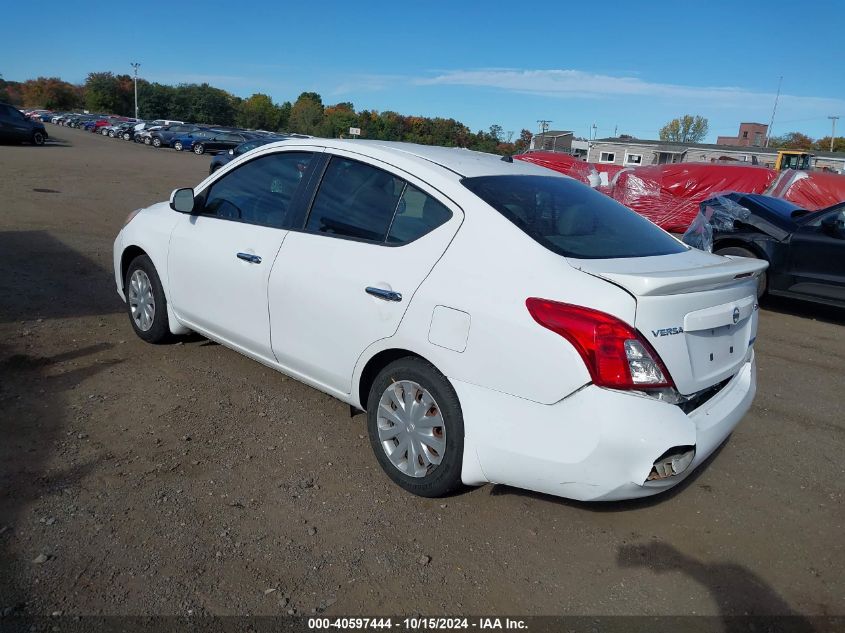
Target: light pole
(833,120)
(136,66)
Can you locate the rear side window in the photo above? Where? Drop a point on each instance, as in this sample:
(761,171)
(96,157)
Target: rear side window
(571,219)
(416,215)
(355,200)
(259,192)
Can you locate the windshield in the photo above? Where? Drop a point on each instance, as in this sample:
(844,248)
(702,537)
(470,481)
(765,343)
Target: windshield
(571,219)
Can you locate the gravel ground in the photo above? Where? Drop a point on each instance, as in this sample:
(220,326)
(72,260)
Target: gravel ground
(138,479)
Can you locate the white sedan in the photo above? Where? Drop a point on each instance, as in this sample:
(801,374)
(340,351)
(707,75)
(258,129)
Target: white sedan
(497,321)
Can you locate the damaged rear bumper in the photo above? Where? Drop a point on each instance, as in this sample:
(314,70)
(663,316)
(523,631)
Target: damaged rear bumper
(597,444)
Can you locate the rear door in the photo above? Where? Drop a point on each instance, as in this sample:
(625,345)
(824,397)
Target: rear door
(220,257)
(817,258)
(346,279)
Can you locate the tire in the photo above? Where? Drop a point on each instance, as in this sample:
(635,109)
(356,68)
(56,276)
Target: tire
(762,280)
(156,142)
(178,146)
(38,138)
(110,133)
(147,140)
(148,315)
(419,472)
(126,136)
(199,149)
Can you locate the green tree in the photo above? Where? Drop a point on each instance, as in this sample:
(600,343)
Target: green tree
(524,141)
(337,120)
(823,144)
(686,129)
(258,113)
(306,114)
(107,93)
(155,101)
(792,140)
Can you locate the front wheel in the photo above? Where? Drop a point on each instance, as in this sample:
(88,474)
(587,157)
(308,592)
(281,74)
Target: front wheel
(177,146)
(145,301)
(126,136)
(199,149)
(156,142)
(762,280)
(38,138)
(416,427)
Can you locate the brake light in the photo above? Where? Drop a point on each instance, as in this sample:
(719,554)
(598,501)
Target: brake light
(615,354)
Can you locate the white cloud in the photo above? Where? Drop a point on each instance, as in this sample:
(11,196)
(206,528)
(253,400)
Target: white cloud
(586,85)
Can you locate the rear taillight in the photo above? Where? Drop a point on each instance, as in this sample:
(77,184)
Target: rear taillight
(614,352)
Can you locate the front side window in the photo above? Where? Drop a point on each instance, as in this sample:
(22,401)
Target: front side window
(571,219)
(259,192)
(355,200)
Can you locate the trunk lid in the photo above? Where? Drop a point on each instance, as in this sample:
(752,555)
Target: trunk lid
(698,310)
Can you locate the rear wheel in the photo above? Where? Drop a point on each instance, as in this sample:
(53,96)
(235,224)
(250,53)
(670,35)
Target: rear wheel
(416,427)
(147,140)
(126,136)
(199,149)
(738,251)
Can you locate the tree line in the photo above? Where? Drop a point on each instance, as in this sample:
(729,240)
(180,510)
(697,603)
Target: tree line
(105,92)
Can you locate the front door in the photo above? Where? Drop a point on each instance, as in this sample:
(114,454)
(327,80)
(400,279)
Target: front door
(220,256)
(817,257)
(345,282)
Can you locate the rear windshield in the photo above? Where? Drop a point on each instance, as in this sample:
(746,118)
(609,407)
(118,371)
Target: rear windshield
(571,219)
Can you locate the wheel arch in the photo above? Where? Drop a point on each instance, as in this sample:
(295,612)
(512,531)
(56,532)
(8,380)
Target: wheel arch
(129,253)
(376,363)
(728,242)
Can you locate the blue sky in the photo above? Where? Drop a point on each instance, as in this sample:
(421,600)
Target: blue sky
(625,66)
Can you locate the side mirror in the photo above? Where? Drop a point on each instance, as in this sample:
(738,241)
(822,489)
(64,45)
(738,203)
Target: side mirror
(834,226)
(182,200)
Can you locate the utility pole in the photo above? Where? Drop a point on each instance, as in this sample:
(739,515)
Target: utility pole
(833,120)
(544,127)
(136,66)
(774,109)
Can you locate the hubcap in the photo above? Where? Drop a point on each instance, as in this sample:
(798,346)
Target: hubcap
(141,300)
(411,429)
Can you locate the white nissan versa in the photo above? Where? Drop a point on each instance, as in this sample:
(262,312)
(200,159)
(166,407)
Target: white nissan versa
(498,322)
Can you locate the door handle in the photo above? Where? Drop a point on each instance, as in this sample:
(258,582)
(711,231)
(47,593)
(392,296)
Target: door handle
(381,293)
(249,257)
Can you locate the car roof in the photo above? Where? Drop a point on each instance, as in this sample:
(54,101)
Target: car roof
(461,161)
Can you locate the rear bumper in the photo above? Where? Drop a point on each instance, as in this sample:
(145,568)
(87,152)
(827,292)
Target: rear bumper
(595,445)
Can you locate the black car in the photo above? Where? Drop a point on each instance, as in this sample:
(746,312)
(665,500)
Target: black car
(805,249)
(163,136)
(224,158)
(16,128)
(221,142)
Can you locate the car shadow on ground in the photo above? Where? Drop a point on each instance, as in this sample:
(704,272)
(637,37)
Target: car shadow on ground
(740,595)
(804,309)
(44,278)
(617,506)
(33,421)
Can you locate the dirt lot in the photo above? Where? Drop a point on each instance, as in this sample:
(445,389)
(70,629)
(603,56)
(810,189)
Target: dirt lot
(187,478)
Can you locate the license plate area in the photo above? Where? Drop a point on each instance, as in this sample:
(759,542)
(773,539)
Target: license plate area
(717,352)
